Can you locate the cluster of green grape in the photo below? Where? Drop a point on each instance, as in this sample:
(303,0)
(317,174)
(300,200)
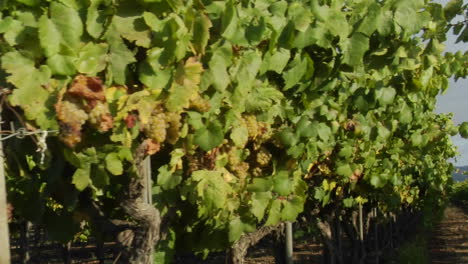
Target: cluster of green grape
(100,117)
(174,125)
(72,113)
(71,117)
(156,128)
(164,126)
(263,157)
(199,104)
(251,123)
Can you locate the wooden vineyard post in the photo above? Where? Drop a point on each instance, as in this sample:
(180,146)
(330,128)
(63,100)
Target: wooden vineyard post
(4,234)
(361,228)
(148,184)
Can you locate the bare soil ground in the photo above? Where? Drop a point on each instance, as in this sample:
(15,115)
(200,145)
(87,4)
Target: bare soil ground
(449,243)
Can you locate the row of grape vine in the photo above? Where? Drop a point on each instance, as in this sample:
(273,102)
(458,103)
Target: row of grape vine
(253,113)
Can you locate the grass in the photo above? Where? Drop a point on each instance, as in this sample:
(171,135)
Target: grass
(459,194)
(414,251)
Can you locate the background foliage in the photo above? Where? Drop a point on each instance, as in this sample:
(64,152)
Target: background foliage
(253,111)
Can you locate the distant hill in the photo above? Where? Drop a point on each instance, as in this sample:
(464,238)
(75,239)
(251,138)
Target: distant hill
(458,174)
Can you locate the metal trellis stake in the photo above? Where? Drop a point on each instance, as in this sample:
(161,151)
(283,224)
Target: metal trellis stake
(289,243)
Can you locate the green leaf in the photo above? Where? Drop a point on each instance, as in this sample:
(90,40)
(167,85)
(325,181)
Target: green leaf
(62,65)
(355,49)
(201,32)
(405,114)
(14,32)
(114,164)
(29,93)
(68,23)
(346,151)
(282,184)
(131,25)
(235,229)
(276,61)
(463,130)
(260,185)
(49,36)
(167,179)
(344,170)
(100,177)
(377,181)
(255,32)
(453,8)
(292,208)
(416,139)
(274,214)
(385,95)
(81,178)
(179,97)
(297,69)
(369,23)
(305,128)
(240,136)
(348,202)
(119,56)
(300,15)
(29,2)
(209,136)
(260,202)
(248,69)
(92,58)
(411,20)
(212,191)
(218,66)
(287,137)
(324,132)
(96,19)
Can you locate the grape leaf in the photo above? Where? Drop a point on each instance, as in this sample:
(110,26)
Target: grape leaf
(92,58)
(260,202)
(209,136)
(292,208)
(81,178)
(114,164)
(355,49)
(67,22)
(463,130)
(119,56)
(297,69)
(212,189)
(240,136)
(29,92)
(274,213)
(385,95)
(167,179)
(131,25)
(201,32)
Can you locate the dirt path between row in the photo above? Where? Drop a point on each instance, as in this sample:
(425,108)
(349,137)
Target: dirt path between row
(449,243)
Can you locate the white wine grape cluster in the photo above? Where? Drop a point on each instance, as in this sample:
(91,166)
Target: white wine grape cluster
(199,104)
(100,117)
(163,126)
(156,128)
(71,118)
(71,113)
(263,157)
(252,126)
(174,126)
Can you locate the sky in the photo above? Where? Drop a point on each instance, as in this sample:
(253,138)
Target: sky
(455,99)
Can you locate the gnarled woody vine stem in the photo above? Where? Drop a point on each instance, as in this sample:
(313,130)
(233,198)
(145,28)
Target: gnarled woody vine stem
(142,237)
(240,247)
